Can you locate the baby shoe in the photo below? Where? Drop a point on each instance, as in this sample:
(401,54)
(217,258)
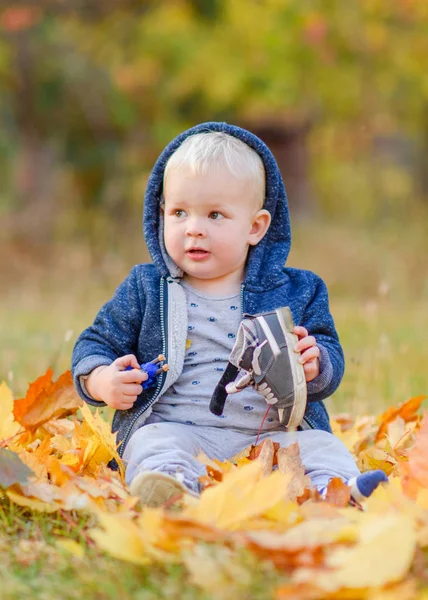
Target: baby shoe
(365,484)
(264,348)
(155,489)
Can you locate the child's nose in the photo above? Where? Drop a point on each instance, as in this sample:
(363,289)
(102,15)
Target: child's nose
(196,228)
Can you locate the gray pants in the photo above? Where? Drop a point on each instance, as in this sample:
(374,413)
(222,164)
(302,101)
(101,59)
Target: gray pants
(172,448)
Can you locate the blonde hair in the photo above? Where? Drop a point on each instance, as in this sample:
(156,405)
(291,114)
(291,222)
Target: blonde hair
(201,151)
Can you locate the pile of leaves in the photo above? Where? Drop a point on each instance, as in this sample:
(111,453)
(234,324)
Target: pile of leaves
(54,453)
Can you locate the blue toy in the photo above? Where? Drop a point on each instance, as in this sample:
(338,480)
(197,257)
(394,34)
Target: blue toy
(152,370)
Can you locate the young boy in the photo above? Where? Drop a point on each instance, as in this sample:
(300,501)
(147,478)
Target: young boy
(217,227)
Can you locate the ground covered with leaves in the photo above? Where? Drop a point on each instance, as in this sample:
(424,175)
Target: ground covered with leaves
(69,527)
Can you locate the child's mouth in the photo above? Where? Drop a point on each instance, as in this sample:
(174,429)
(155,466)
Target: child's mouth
(197,254)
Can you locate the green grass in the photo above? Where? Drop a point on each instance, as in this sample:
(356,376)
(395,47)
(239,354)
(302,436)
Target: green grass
(378,288)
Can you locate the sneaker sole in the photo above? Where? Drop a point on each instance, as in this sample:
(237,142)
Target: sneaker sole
(300,392)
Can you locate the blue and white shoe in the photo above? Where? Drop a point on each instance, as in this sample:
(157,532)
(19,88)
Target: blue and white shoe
(365,484)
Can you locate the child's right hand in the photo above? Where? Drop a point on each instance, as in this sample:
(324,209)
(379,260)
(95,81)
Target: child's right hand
(114,385)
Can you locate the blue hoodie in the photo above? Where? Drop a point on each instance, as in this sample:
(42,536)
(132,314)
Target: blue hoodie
(147,315)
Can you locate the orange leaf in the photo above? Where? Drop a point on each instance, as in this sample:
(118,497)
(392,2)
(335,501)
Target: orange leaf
(406,411)
(415,471)
(46,400)
(338,493)
(255,450)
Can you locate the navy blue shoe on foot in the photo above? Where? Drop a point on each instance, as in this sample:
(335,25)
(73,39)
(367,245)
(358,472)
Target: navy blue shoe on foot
(365,484)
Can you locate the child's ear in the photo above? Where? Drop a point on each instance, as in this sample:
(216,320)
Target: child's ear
(260,225)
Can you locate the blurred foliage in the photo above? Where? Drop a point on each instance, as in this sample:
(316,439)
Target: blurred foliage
(92,91)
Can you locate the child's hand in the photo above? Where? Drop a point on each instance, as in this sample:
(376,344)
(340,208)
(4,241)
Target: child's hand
(310,352)
(114,385)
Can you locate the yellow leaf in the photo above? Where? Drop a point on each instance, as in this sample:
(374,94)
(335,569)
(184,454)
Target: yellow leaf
(70,459)
(382,556)
(396,431)
(95,454)
(121,538)
(285,513)
(307,535)
(8,427)
(376,458)
(243,494)
(32,503)
(106,447)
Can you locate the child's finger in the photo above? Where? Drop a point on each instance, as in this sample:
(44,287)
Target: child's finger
(123,402)
(309,355)
(131,389)
(304,343)
(311,369)
(133,376)
(300,331)
(128,360)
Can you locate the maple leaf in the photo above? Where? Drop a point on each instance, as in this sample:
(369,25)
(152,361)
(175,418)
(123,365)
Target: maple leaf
(338,493)
(242,495)
(406,411)
(12,469)
(121,538)
(365,565)
(103,447)
(376,458)
(46,400)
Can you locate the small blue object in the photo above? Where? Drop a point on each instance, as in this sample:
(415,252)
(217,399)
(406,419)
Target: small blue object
(151,370)
(367,482)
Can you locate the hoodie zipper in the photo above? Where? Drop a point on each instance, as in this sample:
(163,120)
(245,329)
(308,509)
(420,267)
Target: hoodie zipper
(163,302)
(241,298)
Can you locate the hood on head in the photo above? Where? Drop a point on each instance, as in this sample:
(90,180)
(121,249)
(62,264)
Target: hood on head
(265,260)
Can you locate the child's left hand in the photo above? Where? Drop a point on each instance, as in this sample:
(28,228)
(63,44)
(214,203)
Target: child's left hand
(307,346)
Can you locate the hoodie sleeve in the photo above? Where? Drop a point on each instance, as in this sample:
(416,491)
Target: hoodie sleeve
(319,323)
(114,333)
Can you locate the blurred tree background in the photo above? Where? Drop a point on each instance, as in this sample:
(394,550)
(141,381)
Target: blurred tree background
(92,90)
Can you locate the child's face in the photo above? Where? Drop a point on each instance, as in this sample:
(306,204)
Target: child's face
(210,222)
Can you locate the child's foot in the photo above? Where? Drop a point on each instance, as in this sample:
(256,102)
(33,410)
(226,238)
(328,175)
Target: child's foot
(156,489)
(365,484)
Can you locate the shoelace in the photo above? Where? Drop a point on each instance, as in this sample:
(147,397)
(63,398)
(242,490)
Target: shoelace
(261,425)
